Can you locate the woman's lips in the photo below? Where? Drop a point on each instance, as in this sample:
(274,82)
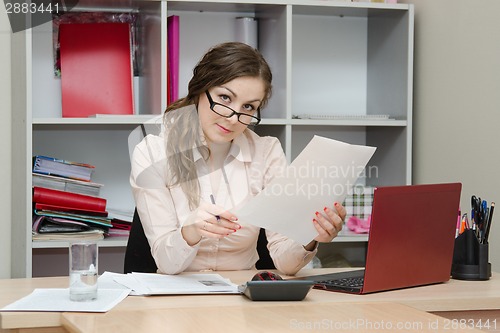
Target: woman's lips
(223,129)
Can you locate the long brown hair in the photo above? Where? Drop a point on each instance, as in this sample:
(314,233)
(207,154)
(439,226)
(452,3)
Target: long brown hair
(221,64)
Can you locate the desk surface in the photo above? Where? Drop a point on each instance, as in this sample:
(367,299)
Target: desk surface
(454,295)
(294,316)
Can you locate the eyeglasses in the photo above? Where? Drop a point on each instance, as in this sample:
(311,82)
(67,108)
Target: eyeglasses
(227,112)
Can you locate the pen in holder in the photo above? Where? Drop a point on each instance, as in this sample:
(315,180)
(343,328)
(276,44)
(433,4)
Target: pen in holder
(470,258)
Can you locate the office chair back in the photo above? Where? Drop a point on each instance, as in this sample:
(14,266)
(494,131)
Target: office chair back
(138,256)
(265,261)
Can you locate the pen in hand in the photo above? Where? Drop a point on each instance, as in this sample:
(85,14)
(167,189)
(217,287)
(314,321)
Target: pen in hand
(213,202)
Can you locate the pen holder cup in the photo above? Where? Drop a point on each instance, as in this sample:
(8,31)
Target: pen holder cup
(470,258)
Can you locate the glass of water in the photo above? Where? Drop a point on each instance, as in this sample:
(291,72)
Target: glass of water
(83,259)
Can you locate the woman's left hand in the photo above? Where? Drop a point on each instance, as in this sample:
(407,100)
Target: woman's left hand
(329,222)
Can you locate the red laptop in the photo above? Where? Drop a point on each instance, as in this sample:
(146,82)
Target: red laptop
(411,240)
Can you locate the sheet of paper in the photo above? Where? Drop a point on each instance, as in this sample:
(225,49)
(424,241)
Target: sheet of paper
(107,281)
(159,284)
(323,173)
(54,299)
(130,282)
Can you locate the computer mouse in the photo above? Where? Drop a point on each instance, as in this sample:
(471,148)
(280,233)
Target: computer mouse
(266,276)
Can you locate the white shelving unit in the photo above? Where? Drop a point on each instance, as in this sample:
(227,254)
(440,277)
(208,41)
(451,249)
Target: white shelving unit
(327,57)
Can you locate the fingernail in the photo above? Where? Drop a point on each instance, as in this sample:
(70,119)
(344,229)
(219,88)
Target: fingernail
(317,213)
(336,204)
(314,220)
(234,219)
(325,209)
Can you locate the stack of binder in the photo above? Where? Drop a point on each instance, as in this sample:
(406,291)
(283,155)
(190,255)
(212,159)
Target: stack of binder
(62,168)
(66,184)
(68,176)
(61,215)
(66,204)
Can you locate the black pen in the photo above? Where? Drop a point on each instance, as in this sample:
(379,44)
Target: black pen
(488,224)
(213,202)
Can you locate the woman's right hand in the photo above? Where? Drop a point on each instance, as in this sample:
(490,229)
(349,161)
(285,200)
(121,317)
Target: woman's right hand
(209,221)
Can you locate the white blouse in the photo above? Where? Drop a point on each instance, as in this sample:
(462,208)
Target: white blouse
(251,163)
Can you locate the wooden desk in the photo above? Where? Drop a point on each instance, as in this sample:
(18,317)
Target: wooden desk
(454,299)
(295,316)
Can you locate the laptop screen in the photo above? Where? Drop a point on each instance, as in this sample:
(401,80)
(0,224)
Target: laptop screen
(412,236)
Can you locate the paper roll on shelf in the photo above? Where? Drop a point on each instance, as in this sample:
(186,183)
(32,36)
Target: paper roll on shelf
(247,31)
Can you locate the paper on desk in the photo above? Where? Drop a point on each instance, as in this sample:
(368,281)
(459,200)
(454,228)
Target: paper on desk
(159,284)
(109,294)
(55,299)
(323,173)
(107,281)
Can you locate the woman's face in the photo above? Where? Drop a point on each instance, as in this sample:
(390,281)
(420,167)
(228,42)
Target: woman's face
(243,95)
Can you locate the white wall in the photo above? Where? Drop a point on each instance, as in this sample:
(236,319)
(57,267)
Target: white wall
(5,144)
(457,100)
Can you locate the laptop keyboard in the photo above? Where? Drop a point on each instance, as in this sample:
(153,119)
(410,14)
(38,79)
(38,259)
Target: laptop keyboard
(343,283)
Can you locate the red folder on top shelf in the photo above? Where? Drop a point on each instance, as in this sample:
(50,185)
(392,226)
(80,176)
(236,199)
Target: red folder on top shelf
(96,69)
(67,200)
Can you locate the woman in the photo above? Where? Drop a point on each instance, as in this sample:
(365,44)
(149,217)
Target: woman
(207,161)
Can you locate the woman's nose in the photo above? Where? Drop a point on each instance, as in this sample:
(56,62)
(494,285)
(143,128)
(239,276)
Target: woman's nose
(233,119)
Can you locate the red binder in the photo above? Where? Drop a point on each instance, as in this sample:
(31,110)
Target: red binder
(96,69)
(46,207)
(67,200)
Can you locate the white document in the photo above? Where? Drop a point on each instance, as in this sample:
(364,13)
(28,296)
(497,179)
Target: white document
(323,173)
(54,299)
(160,284)
(107,281)
(109,294)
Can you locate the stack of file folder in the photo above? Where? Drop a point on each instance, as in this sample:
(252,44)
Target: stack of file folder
(61,215)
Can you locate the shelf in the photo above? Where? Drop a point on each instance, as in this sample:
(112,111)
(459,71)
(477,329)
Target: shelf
(345,8)
(349,122)
(274,121)
(101,120)
(347,236)
(106,242)
(338,8)
(142,119)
